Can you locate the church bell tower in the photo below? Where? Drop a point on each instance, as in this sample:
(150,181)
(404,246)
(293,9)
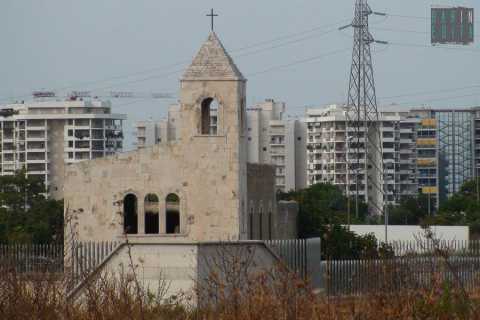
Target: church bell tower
(213,120)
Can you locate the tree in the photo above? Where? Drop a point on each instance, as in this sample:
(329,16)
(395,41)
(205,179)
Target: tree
(26,216)
(462,208)
(323,204)
(322,212)
(410,211)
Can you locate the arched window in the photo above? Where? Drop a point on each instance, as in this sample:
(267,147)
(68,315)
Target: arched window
(209,124)
(172,213)
(130,216)
(151,214)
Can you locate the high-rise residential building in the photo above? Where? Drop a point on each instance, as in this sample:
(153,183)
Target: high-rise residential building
(44,136)
(271,139)
(447,157)
(330,159)
(476,134)
(427,154)
(275,140)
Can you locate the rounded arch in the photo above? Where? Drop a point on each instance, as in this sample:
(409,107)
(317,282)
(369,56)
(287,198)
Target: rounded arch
(209,116)
(172,213)
(130,214)
(152,210)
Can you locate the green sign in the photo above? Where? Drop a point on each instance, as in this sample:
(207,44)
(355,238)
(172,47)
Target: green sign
(452,25)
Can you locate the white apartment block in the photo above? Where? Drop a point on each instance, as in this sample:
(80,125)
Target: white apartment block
(44,136)
(274,140)
(150,132)
(330,160)
(270,139)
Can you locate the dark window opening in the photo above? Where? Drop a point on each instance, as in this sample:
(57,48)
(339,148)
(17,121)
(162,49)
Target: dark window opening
(270,225)
(152,225)
(130,221)
(172,214)
(250,224)
(209,124)
(260,225)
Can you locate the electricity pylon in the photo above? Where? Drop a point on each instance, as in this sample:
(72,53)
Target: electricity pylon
(363,129)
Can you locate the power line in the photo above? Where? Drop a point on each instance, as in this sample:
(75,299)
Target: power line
(298,62)
(410,31)
(416,17)
(416,45)
(183,62)
(429,92)
(437,99)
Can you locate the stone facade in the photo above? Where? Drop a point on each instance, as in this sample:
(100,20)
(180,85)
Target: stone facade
(204,172)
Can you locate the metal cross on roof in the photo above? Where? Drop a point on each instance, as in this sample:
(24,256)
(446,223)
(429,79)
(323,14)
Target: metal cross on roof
(212,16)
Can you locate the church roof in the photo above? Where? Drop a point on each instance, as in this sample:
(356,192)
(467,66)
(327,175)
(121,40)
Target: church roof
(212,62)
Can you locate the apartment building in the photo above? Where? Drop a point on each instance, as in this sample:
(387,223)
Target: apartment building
(274,140)
(448,149)
(44,136)
(333,156)
(271,139)
(150,132)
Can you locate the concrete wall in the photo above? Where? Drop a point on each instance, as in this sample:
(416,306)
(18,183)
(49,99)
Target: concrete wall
(261,201)
(184,267)
(301,137)
(286,223)
(410,233)
(57,156)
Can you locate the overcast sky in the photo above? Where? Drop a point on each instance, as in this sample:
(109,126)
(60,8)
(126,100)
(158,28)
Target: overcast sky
(141,46)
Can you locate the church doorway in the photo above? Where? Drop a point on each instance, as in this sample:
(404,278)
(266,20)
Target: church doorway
(151,203)
(130,216)
(172,214)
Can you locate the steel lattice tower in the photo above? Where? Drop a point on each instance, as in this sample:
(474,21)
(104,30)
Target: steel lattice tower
(364,143)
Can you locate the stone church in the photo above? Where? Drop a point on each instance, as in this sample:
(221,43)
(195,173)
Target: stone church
(196,188)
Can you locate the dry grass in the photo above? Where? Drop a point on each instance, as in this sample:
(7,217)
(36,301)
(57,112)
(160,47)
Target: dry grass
(274,294)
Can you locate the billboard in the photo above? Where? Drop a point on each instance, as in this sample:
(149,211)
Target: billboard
(452,25)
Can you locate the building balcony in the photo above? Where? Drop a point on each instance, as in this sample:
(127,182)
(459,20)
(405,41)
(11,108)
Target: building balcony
(36,150)
(37,161)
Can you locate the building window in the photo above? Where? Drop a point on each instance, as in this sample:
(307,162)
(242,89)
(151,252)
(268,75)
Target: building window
(209,119)
(151,214)
(172,214)
(70,133)
(130,216)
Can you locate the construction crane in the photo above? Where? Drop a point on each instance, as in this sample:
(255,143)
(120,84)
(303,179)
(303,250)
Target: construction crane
(80,95)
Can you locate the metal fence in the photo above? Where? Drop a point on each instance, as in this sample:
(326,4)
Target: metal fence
(405,265)
(32,258)
(85,257)
(409,265)
(77,262)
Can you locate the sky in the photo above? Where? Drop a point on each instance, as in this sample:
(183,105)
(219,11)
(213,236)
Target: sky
(290,51)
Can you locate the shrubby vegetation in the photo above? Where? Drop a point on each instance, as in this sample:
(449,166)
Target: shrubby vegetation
(26,215)
(462,208)
(323,212)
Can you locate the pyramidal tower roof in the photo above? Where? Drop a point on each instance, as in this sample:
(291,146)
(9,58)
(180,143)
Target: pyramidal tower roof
(212,62)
